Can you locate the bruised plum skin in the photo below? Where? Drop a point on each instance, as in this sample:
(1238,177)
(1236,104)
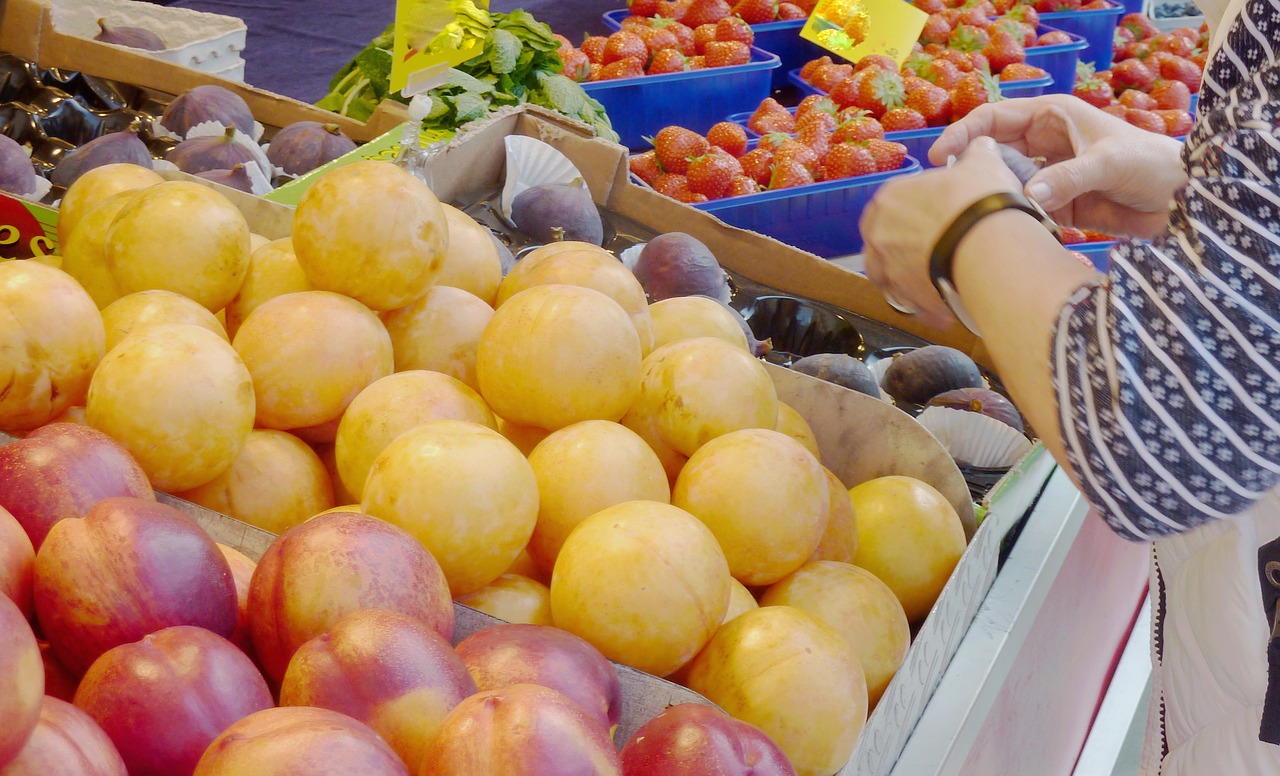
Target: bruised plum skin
(543,211)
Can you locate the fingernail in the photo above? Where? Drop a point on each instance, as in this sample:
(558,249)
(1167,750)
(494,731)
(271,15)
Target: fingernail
(1038,191)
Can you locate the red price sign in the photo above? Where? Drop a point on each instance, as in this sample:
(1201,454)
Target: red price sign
(22,235)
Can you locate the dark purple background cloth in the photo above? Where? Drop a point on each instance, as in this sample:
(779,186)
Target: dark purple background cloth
(295,47)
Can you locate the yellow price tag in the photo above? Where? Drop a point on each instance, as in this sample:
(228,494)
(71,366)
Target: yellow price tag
(432,36)
(852,29)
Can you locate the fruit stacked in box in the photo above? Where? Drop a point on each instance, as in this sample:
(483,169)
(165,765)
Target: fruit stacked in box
(1153,77)
(691,168)
(575,444)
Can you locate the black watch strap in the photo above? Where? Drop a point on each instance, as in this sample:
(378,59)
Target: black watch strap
(944,252)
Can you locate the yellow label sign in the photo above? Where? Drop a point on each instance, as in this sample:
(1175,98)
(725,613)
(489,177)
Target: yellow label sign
(432,36)
(852,29)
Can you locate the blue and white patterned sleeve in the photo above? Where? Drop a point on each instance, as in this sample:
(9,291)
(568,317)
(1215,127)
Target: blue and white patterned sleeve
(1168,375)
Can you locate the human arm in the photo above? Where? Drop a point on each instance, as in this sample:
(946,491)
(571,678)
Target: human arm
(1159,391)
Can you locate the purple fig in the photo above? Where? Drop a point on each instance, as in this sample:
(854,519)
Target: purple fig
(305,145)
(237,178)
(558,212)
(676,264)
(918,376)
(841,369)
(211,152)
(133,37)
(17,176)
(207,103)
(115,148)
(981,401)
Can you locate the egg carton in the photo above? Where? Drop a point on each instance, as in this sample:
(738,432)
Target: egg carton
(210,43)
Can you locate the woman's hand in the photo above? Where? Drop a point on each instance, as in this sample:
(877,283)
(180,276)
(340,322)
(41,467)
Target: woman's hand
(1102,172)
(903,222)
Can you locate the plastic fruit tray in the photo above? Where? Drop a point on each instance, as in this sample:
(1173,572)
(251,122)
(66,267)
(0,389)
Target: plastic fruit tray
(696,99)
(1098,27)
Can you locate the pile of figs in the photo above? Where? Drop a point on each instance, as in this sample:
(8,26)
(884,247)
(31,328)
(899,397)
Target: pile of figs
(57,124)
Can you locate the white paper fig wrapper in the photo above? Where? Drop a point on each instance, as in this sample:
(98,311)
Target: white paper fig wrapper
(160,130)
(974,439)
(631,255)
(531,162)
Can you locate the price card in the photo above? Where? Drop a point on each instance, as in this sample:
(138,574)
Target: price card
(432,36)
(852,29)
(27,230)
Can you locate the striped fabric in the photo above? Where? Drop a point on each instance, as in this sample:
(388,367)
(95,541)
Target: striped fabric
(1168,374)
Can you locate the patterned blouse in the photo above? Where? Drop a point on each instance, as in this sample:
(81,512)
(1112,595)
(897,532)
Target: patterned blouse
(1168,375)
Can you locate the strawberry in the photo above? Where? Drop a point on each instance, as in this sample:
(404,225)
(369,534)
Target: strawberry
(914,63)
(596,70)
(675,146)
(711,173)
(1003,50)
(756,11)
(1176,122)
(876,60)
(930,6)
(1132,74)
(825,78)
(702,36)
(593,47)
(576,64)
(636,24)
(706,12)
(912,84)
(756,164)
(936,29)
(1053,38)
(631,67)
(734,28)
(671,184)
(1145,119)
(1070,235)
(1021,71)
(1024,13)
(815,102)
(880,92)
(621,45)
(1171,95)
(845,93)
(1116,109)
(815,137)
(811,67)
(1120,39)
(696,63)
(643,7)
(1097,5)
(771,117)
(741,185)
(889,155)
(792,150)
(973,90)
(962,61)
(966,38)
(667,61)
(565,43)
(1023,33)
(684,36)
(728,136)
(645,166)
(788,174)
(1184,70)
(846,160)
(1093,90)
(933,104)
(672,9)
(1132,98)
(791,12)
(902,119)
(1052,6)
(816,119)
(1140,25)
(658,38)
(858,128)
(725,53)
(1092,236)
(1198,59)
(974,16)
(943,73)
(978,61)
(1177,45)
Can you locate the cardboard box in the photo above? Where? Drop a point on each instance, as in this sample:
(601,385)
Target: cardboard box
(860,437)
(27,30)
